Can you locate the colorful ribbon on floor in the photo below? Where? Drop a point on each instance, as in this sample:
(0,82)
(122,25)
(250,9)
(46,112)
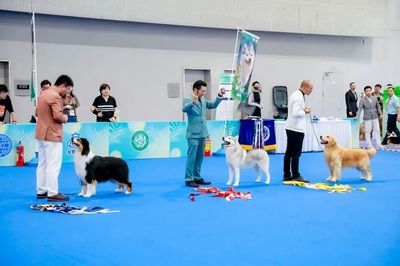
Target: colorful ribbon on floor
(229,195)
(66,209)
(323,186)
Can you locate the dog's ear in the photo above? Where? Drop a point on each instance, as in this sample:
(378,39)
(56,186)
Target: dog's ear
(85,141)
(236,138)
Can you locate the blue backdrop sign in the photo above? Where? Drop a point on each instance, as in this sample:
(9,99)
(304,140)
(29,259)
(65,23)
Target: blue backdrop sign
(248,133)
(129,140)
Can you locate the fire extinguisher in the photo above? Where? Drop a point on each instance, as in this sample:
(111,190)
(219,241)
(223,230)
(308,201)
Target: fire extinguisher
(20,154)
(207,147)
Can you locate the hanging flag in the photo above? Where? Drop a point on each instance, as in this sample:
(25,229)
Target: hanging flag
(33,91)
(245,58)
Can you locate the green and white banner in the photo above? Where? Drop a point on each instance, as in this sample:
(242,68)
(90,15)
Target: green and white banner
(244,64)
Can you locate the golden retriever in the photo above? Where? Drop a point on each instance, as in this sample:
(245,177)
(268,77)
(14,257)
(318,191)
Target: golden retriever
(338,157)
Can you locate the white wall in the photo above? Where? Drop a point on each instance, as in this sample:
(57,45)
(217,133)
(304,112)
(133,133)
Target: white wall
(334,17)
(138,60)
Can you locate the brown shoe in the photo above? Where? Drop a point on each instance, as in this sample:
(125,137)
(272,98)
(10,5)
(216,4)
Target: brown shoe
(58,197)
(41,196)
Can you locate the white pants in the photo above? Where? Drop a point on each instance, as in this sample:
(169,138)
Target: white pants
(50,158)
(372,125)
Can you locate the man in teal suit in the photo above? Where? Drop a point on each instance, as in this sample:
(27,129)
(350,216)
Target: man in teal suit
(196,108)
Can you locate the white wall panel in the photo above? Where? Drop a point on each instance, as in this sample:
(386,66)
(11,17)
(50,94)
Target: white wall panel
(334,17)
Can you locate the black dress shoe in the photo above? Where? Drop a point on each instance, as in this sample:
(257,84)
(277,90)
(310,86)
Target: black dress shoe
(300,179)
(202,182)
(287,178)
(191,184)
(41,196)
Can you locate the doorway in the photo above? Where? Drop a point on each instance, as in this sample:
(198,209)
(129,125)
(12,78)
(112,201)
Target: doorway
(190,75)
(333,95)
(5,74)
(5,79)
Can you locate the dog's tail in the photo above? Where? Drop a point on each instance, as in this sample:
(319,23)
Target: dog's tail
(371,152)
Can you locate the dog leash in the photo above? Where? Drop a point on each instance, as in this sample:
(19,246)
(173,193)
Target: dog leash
(315,133)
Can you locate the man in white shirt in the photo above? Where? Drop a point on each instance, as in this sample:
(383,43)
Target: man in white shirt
(393,114)
(295,129)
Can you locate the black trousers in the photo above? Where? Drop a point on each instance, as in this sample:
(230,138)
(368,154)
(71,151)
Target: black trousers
(257,112)
(354,114)
(391,127)
(293,153)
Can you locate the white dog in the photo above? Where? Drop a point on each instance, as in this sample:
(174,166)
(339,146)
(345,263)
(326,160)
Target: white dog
(237,158)
(248,56)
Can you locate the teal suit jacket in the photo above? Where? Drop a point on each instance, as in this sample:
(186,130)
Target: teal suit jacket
(196,113)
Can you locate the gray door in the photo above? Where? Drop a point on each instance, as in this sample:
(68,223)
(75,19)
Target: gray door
(5,79)
(333,103)
(192,75)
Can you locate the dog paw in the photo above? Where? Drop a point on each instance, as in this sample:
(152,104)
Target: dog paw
(118,190)
(236,184)
(81,194)
(258,180)
(331,179)
(229,183)
(87,195)
(128,193)
(267,182)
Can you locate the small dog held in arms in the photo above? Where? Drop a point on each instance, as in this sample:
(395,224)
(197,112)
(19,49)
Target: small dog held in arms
(93,169)
(338,157)
(237,158)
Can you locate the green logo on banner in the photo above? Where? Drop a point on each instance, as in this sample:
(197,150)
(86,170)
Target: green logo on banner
(140,140)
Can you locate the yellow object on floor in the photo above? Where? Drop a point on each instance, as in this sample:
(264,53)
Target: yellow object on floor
(323,186)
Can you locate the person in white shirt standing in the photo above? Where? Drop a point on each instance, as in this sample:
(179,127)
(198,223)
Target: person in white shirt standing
(393,114)
(295,129)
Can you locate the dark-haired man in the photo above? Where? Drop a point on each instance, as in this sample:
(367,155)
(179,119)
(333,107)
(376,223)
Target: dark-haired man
(45,84)
(351,101)
(254,98)
(393,114)
(5,105)
(49,125)
(372,111)
(196,109)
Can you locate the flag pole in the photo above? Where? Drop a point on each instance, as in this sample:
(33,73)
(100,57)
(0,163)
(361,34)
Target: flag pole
(232,73)
(221,151)
(34,161)
(34,84)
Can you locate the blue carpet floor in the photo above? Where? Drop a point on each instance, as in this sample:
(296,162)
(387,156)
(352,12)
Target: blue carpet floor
(159,225)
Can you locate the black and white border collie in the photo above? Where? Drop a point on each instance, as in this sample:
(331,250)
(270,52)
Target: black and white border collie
(93,169)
